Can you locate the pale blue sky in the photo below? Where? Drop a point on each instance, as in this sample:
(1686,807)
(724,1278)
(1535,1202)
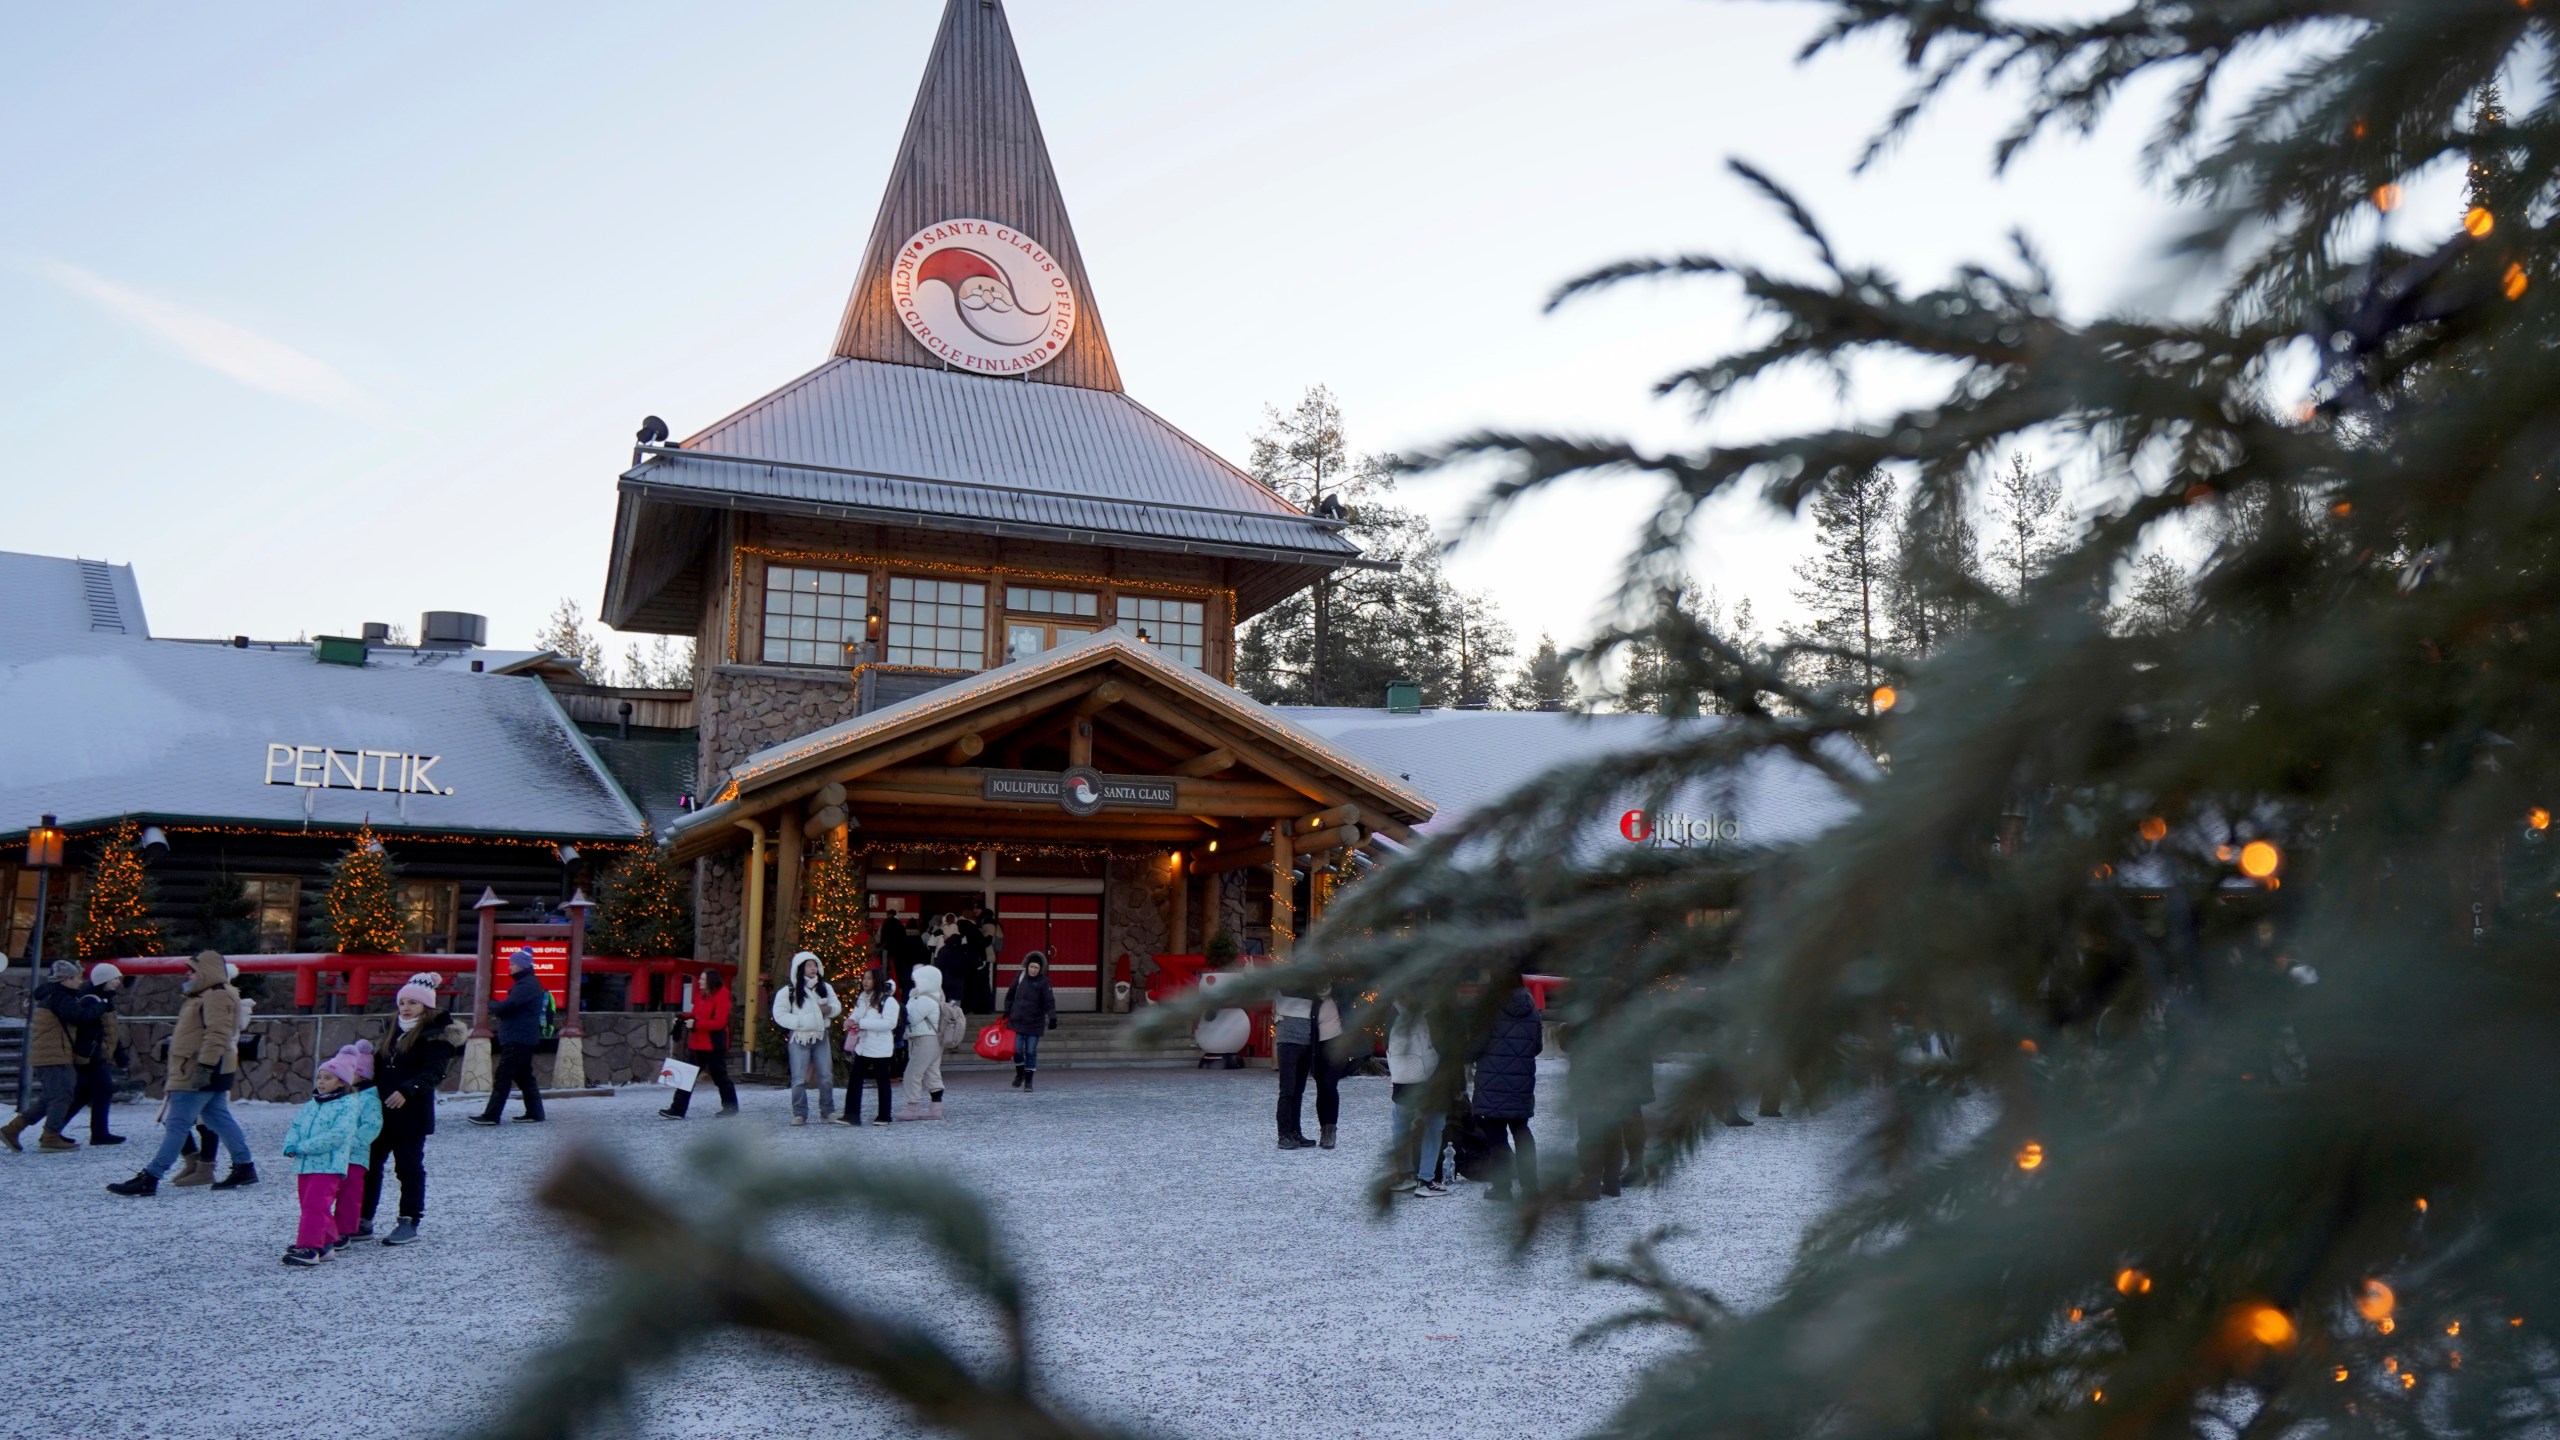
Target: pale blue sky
(325,314)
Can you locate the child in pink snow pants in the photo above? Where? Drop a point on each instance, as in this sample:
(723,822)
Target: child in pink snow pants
(329,1141)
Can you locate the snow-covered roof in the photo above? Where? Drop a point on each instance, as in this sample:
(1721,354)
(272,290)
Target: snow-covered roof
(1466,759)
(63,596)
(95,725)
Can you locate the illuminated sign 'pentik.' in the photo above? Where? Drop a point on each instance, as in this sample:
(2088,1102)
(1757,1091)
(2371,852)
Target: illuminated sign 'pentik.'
(318,767)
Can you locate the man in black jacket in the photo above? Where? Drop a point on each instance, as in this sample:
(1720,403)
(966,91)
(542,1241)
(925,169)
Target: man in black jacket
(518,1019)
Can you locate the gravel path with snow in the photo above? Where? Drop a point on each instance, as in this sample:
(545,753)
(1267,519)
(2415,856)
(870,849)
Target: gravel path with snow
(1189,1278)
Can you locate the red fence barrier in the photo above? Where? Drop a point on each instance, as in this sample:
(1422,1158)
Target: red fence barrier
(358,973)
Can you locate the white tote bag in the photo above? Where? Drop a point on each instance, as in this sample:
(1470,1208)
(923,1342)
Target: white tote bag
(675,1074)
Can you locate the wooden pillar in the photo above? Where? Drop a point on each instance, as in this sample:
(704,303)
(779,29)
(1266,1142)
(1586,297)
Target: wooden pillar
(479,1072)
(1284,895)
(569,1066)
(1080,741)
(1179,925)
(789,841)
(750,968)
(986,881)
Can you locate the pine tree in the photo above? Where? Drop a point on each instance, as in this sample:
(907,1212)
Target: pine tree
(2159,600)
(1847,589)
(226,920)
(2026,514)
(363,898)
(117,905)
(1937,587)
(566,635)
(1546,681)
(1345,639)
(644,907)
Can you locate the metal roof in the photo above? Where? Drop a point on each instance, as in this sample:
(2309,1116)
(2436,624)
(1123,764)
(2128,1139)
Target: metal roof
(69,597)
(902,439)
(1468,759)
(102,725)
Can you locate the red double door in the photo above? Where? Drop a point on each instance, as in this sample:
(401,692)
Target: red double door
(1066,928)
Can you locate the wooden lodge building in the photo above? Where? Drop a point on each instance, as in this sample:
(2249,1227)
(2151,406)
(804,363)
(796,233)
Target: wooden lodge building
(954,580)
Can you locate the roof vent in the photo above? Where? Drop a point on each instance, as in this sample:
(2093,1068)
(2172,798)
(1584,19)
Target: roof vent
(376,633)
(338,650)
(453,629)
(1404,697)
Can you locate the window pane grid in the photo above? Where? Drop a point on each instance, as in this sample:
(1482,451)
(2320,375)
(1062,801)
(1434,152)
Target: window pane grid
(940,624)
(812,616)
(1033,601)
(1177,627)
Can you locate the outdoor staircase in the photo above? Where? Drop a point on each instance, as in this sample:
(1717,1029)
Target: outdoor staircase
(1088,1041)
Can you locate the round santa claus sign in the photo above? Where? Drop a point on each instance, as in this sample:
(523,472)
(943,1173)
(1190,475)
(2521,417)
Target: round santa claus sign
(983,296)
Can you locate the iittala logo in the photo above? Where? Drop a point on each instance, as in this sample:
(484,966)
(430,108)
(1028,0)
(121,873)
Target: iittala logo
(1644,827)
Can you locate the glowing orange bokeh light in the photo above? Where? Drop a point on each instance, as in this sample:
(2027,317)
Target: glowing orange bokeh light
(2030,1155)
(2154,828)
(2479,221)
(2376,1302)
(2259,859)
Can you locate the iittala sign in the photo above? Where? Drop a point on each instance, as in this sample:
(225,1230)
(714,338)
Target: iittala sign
(983,296)
(1681,831)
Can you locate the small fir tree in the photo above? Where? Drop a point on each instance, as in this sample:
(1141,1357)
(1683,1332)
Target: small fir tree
(1546,681)
(644,907)
(1848,580)
(363,899)
(116,907)
(226,919)
(833,923)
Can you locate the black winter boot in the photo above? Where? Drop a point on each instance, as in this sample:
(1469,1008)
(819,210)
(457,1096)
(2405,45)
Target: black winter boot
(1327,1141)
(1017,1077)
(143,1183)
(1029,1077)
(243,1174)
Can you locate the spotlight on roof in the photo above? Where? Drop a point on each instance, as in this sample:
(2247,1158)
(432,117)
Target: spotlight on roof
(154,843)
(653,431)
(567,852)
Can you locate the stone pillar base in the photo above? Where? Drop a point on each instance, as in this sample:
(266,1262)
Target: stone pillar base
(479,1071)
(569,1067)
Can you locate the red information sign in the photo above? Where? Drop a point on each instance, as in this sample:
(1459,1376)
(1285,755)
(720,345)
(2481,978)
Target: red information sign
(550,966)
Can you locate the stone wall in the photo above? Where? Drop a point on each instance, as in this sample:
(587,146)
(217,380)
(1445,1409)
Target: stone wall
(1137,913)
(745,708)
(621,1049)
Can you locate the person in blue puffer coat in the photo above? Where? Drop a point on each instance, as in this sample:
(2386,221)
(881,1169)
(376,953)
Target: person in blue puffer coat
(1506,1093)
(329,1142)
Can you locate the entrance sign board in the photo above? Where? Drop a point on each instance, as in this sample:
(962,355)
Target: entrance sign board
(984,297)
(1083,790)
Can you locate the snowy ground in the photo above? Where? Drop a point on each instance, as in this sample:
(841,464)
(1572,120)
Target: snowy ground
(1190,1279)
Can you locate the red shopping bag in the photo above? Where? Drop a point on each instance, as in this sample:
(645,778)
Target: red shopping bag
(995,1043)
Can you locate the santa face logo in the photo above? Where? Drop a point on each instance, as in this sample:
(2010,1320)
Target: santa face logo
(983,297)
(1080,790)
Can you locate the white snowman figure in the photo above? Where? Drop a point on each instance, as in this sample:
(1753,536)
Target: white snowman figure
(1221,1032)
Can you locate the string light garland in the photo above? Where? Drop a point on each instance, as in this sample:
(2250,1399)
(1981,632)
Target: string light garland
(835,922)
(420,837)
(644,907)
(364,899)
(115,912)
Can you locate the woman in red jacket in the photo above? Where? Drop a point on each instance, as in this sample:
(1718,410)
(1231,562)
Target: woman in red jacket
(706,1023)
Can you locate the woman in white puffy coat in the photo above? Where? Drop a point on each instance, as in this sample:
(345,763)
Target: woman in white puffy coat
(1411,1062)
(804,1010)
(924,1045)
(871,1033)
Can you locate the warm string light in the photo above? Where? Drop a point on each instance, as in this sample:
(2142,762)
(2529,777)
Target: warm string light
(644,907)
(364,899)
(422,837)
(115,910)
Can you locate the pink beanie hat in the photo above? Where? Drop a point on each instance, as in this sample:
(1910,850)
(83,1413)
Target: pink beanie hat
(351,1064)
(421,988)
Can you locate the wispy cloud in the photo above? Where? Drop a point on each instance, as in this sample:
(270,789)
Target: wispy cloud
(218,345)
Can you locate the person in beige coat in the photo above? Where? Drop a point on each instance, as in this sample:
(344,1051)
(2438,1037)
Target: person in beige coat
(924,1046)
(204,1060)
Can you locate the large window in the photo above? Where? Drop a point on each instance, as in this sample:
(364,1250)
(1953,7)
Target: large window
(18,917)
(1179,628)
(275,904)
(937,623)
(1025,600)
(426,916)
(812,617)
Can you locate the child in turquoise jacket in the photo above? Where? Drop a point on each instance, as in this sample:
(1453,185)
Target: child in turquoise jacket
(329,1142)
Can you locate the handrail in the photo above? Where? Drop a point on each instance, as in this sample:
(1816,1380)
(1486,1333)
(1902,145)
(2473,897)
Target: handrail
(359,970)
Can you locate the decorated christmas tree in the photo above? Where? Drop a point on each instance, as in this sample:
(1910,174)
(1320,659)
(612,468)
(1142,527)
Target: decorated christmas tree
(644,907)
(834,925)
(364,899)
(116,907)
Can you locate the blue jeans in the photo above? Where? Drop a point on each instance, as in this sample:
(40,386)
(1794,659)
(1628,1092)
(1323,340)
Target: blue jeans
(1026,1051)
(186,1107)
(812,1065)
(1408,1103)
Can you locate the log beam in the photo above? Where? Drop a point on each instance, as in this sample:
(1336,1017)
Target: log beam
(1216,760)
(965,749)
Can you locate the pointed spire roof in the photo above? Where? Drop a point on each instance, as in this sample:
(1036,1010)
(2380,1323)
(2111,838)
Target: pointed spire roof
(972,151)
